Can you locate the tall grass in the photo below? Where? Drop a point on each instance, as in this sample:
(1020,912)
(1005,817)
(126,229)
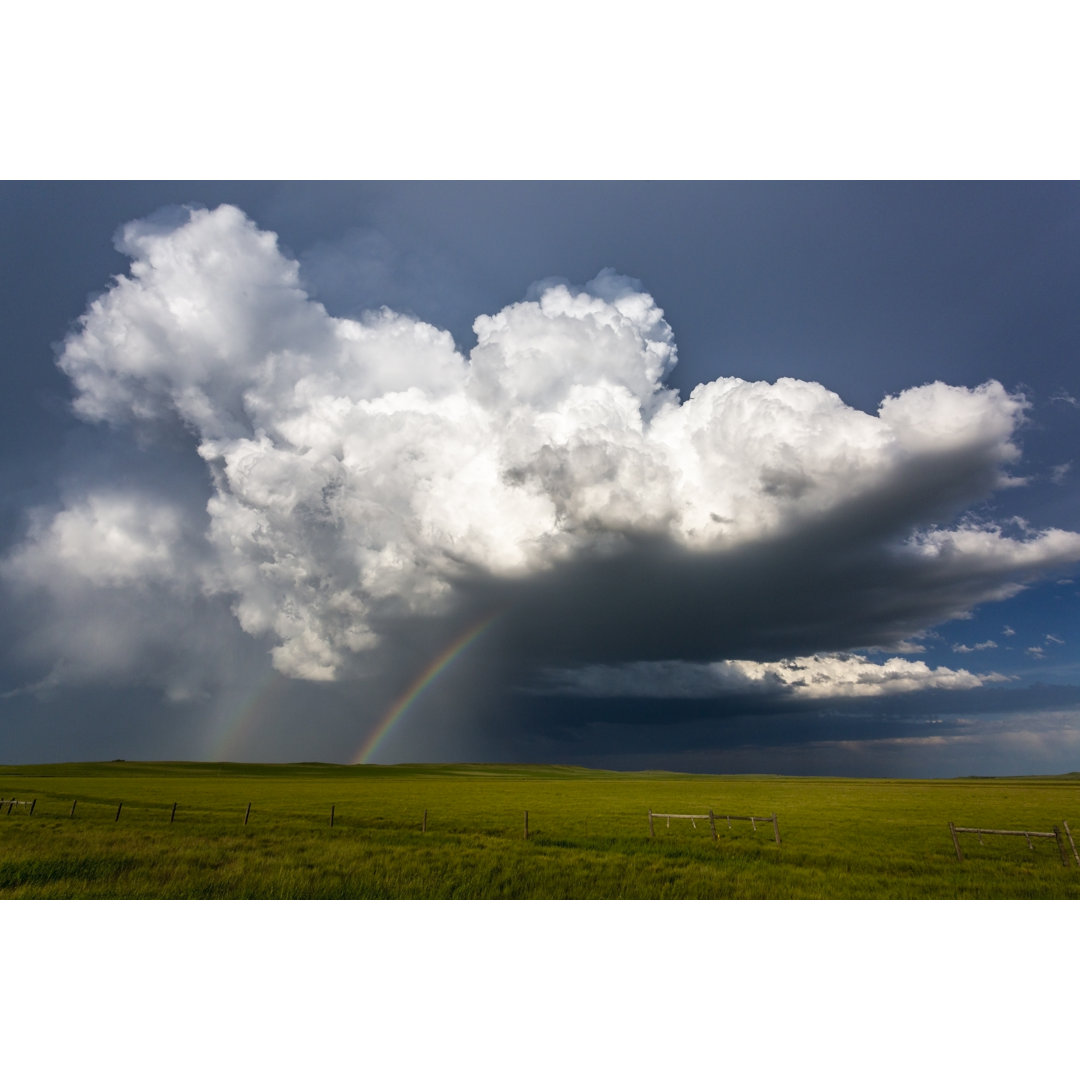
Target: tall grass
(588,834)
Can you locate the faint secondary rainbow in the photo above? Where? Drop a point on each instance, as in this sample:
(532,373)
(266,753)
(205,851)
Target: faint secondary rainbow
(419,685)
(229,738)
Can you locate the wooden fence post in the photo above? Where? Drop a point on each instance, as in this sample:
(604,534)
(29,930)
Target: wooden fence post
(11,803)
(118,809)
(331,816)
(652,831)
(73,802)
(32,805)
(956,842)
(712,824)
(172,816)
(526,824)
(1071,843)
(1061,846)
(775,828)
(246,812)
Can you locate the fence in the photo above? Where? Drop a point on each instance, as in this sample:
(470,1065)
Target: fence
(1026,833)
(711,817)
(9,805)
(247,811)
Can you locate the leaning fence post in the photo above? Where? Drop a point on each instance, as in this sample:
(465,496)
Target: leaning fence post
(173,814)
(775,828)
(118,809)
(34,803)
(526,824)
(1071,843)
(11,803)
(956,842)
(246,812)
(1061,846)
(73,802)
(652,831)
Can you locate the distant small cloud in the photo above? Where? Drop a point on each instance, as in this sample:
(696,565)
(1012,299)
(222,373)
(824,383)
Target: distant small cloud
(1039,651)
(1063,397)
(907,648)
(1008,631)
(1059,472)
(975,648)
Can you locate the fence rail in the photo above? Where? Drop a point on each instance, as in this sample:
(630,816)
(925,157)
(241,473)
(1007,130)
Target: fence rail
(711,817)
(1026,833)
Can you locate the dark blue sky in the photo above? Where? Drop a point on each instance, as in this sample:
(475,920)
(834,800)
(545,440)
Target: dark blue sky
(599,656)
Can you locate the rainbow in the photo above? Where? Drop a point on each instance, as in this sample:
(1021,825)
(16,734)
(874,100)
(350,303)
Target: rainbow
(419,685)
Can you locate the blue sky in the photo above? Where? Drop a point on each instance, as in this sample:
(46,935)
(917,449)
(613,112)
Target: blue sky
(307,436)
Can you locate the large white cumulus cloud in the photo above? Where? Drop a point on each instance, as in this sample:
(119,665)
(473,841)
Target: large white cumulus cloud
(363,470)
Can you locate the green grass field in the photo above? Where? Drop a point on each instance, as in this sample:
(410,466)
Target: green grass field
(588,834)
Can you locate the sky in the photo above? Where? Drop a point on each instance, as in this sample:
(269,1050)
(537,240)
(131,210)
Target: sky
(707,476)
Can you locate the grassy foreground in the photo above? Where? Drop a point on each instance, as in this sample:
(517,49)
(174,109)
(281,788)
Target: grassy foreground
(588,834)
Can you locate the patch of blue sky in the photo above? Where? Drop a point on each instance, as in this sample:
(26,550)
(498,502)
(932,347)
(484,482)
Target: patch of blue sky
(1033,636)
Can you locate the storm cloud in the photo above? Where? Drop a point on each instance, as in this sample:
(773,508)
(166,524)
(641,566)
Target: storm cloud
(370,485)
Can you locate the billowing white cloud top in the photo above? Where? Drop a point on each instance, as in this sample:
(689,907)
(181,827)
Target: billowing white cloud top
(362,468)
